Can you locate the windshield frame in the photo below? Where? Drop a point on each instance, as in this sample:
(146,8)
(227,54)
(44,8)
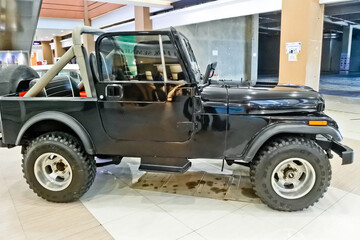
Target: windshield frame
(191,58)
(179,38)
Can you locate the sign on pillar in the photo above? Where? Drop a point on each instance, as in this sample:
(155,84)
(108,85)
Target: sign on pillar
(292,50)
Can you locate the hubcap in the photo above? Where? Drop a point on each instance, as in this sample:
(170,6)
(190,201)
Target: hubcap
(293,178)
(53,172)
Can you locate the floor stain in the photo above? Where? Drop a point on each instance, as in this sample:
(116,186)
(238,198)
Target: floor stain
(191,185)
(210,183)
(248,192)
(218,190)
(215,186)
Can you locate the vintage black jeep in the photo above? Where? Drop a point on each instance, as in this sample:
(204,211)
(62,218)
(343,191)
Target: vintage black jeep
(142,95)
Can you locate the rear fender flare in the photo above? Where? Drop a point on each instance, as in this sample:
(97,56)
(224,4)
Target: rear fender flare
(276,129)
(64,119)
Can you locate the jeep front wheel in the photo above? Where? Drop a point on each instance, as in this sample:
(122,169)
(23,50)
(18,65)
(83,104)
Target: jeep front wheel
(290,173)
(57,168)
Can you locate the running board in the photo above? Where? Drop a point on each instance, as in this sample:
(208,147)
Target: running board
(157,164)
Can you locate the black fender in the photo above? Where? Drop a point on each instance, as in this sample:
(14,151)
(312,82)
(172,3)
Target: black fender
(283,128)
(62,118)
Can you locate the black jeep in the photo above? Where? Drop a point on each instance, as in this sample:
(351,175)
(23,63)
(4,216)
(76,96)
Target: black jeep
(142,95)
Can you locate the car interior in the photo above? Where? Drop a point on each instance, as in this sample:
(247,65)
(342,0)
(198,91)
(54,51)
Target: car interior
(140,72)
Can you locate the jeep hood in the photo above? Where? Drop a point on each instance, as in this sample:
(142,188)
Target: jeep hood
(261,100)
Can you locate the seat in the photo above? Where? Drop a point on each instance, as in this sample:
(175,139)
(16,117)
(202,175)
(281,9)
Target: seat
(59,86)
(106,72)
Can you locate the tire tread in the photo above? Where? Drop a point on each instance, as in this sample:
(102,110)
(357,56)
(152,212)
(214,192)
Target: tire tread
(75,145)
(272,146)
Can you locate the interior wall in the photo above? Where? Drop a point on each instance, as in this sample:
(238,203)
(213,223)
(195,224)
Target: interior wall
(269,54)
(355,52)
(326,55)
(269,49)
(336,45)
(222,41)
(331,52)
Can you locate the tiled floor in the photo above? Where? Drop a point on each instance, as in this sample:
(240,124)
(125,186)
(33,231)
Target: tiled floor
(113,208)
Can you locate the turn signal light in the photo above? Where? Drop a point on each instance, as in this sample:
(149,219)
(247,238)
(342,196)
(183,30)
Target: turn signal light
(317,123)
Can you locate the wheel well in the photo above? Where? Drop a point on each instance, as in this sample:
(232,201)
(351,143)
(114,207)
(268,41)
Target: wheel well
(283,135)
(46,126)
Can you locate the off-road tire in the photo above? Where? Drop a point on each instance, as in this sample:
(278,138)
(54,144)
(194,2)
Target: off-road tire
(278,150)
(82,166)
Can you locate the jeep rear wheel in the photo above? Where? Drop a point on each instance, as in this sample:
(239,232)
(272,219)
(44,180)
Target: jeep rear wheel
(290,173)
(57,168)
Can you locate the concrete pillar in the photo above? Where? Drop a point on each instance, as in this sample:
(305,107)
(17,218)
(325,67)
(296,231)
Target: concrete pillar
(251,49)
(346,50)
(47,52)
(142,19)
(88,39)
(59,51)
(301,21)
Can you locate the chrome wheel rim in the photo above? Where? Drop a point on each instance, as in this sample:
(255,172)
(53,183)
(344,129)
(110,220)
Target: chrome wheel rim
(293,178)
(53,171)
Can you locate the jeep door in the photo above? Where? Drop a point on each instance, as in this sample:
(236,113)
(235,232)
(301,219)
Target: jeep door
(144,93)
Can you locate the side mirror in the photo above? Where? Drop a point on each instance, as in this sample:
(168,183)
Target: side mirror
(209,73)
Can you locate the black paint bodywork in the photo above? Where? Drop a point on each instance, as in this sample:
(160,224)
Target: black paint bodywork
(222,120)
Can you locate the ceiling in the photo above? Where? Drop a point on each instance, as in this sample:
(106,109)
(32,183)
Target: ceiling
(74,9)
(336,17)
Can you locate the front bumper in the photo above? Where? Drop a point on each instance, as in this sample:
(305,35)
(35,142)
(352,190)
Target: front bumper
(346,153)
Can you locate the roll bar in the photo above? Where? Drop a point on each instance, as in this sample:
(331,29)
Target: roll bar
(74,51)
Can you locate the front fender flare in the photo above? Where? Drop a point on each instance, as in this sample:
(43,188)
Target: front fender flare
(281,128)
(62,118)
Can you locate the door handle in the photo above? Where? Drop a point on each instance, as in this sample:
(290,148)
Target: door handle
(114,91)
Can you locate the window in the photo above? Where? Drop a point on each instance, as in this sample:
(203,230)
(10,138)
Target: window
(136,62)
(138,58)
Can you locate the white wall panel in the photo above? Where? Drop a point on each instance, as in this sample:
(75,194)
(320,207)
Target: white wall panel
(130,26)
(216,10)
(333,1)
(221,9)
(119,15)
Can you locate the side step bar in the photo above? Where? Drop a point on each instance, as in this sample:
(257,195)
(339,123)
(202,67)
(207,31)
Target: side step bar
(157,164)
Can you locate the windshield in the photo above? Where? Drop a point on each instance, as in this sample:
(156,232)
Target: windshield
(191,57)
